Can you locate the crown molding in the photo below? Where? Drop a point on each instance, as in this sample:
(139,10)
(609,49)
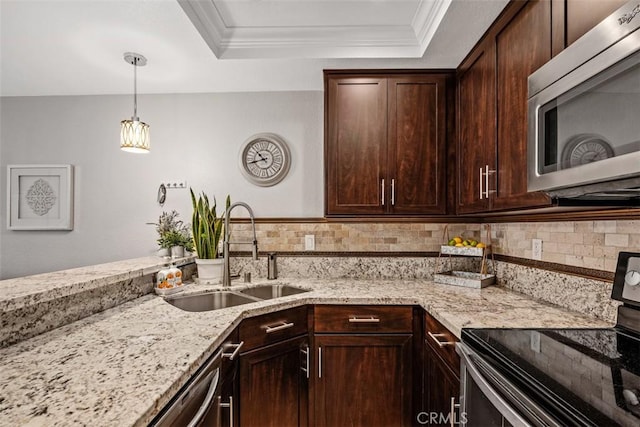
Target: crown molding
(345,41)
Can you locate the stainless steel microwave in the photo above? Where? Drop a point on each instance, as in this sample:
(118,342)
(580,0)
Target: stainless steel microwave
(584,115)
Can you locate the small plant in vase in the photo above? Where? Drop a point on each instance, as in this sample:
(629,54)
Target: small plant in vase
(207,228)
(175,235)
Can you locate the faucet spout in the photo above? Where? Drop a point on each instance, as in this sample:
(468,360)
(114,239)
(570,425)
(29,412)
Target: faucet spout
(226,278)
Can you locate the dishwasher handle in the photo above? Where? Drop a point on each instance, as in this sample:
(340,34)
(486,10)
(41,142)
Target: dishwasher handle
(206,404)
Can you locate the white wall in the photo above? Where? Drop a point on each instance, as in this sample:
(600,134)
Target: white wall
(195,137)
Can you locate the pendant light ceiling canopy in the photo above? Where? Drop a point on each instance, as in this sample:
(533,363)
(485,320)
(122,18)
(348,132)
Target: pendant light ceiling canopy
(134,134)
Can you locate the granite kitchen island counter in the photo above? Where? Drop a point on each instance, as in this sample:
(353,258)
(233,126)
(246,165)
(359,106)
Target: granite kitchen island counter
(121,366)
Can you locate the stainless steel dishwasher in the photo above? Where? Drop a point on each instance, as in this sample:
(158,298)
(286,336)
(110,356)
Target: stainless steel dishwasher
(200,401)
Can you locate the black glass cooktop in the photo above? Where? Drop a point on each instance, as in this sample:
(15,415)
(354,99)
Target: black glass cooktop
(585,377)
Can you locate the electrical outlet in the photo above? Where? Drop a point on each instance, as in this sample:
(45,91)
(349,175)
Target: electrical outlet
(535,341)
(536,249)
(309,242)
(175,183)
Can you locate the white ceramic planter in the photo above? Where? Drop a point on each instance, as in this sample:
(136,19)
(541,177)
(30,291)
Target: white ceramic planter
(210,270)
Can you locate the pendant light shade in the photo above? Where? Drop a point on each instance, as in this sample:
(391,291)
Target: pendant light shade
(134,134)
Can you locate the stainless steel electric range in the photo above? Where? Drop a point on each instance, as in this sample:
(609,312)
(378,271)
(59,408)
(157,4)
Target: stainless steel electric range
(557,377)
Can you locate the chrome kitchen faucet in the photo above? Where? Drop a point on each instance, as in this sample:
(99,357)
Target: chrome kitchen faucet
(226,278)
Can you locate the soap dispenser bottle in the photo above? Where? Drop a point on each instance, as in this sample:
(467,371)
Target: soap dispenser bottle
(272,266)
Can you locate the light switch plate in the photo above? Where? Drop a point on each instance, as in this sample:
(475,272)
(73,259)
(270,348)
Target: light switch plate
(309,242)
(536,249)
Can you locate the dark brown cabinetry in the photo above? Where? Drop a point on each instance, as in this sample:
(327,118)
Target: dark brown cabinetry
(364,370)
(385,138)
(581,16)
(273,386)
(442,375)
(492,110)
(491,170)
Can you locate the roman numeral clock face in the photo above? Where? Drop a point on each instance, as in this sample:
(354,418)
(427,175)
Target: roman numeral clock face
(265,159)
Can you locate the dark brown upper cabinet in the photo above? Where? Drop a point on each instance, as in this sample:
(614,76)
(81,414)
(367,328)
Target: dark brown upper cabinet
(385,136)
(491,147)
(581,16)
(492,110)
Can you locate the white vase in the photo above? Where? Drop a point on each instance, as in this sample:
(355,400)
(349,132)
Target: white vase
(210,270)
(177,251)
(162,252)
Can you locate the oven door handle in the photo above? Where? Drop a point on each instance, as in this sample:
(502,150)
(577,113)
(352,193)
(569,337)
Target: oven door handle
(474,367)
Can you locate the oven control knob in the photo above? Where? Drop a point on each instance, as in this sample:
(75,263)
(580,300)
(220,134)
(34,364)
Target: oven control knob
(632,278)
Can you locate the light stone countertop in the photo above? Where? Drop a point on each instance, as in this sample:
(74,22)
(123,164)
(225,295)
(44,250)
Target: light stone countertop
(121,366)
(29,290)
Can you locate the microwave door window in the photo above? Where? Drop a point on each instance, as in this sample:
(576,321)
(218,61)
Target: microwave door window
(594,121)
(549,151)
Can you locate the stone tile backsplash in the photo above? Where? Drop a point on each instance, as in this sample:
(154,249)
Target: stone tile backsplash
(589,244)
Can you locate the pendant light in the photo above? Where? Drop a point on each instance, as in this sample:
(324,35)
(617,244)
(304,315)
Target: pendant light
(134,134)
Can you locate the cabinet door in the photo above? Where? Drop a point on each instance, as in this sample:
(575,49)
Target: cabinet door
(417,136)
(581,16)
(273,387)
(522,46)
(442,385)
(363,380)
(476,126)
(356,144)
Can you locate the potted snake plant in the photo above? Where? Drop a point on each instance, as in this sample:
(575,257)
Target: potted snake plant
(207,229)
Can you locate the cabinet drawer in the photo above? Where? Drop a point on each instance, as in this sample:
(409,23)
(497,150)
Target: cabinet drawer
(442,342)
(363,318)
(273,327)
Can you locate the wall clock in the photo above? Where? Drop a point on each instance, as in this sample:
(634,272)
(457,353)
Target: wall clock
(265,159)
(585,148)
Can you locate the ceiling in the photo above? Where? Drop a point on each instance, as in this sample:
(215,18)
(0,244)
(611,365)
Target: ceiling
(75,47)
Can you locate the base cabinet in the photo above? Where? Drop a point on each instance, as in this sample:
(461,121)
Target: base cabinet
(442,391)
(441,369)
(363,380)
(273,386)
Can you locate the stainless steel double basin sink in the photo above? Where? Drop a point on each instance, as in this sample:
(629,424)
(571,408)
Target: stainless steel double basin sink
(215,300)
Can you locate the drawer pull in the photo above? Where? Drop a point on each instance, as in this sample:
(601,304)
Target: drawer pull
(280,327)
(227,405)
(440,343)
(232,356)
(370,319)
(305,368)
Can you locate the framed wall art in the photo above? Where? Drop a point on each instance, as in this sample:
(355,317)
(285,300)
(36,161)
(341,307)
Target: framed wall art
(40,197)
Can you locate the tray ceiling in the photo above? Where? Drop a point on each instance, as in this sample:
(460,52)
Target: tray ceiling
(73,47)
(316,28)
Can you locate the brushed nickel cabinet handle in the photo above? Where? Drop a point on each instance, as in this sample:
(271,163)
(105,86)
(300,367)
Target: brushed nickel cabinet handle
(480,184)
(281,326)
(382,188)
(452,414)
(393,192)
(487,172)
(235,352)
(305,368)
(370,319)
(440,343)
(319,362)
(230,406)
